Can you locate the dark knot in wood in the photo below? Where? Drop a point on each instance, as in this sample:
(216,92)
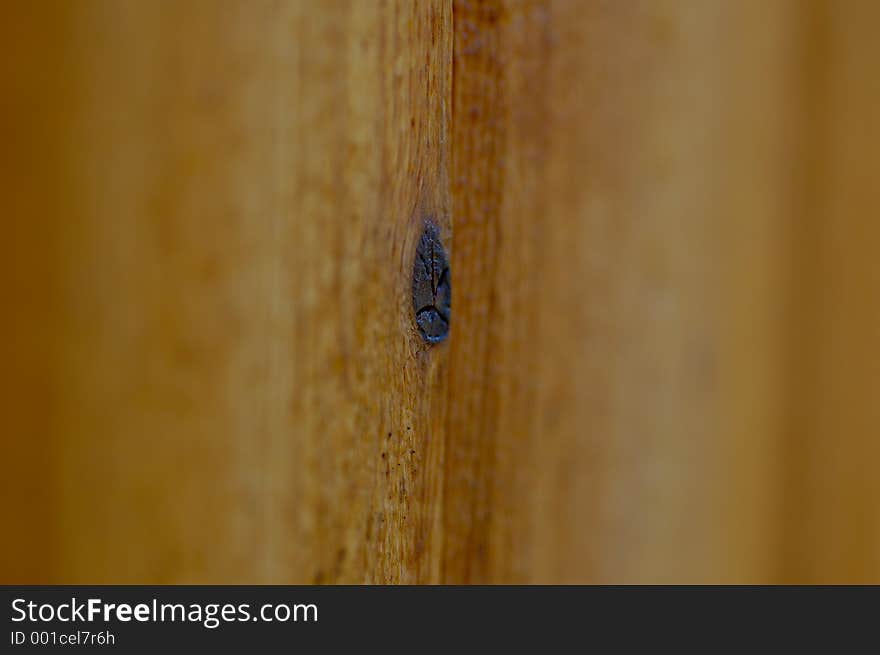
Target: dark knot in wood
(432,287)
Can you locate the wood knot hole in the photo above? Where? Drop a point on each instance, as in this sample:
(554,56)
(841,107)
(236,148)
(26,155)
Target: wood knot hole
(431,287)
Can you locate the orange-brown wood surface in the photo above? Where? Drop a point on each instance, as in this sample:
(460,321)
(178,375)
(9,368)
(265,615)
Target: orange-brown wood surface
(660,218)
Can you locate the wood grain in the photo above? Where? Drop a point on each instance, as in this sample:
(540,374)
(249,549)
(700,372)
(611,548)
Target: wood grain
(624,419)
(242,395)
(833,502)
(662,354)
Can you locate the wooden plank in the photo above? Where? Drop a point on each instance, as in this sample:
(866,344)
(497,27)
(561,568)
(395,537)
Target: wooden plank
(832,505)
(241,392)
(32,181)
(660,364)
(621,200)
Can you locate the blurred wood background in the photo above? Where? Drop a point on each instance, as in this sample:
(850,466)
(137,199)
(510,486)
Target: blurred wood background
(663,229)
